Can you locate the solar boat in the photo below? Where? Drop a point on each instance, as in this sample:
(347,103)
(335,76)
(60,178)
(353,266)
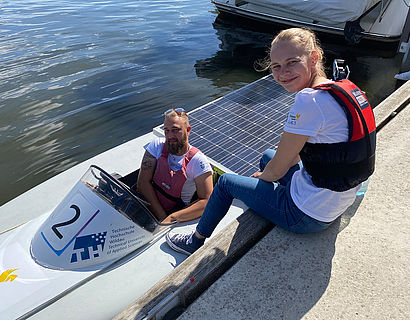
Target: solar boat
(83,245)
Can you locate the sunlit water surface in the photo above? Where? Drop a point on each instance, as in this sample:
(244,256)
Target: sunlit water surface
(79,77)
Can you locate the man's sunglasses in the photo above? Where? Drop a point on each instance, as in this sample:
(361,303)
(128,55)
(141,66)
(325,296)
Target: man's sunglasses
(179,111)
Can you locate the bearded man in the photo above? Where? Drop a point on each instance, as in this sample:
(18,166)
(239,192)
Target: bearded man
(173,172)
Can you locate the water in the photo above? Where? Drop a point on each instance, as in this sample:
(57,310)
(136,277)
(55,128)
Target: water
(80,77)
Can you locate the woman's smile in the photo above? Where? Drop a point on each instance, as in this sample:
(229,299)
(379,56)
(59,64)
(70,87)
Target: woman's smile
(288,80)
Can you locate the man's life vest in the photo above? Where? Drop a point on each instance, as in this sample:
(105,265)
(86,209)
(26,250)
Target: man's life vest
(168,183)
(342,166)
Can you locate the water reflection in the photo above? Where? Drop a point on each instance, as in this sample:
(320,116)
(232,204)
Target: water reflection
(372,66)
(80,77)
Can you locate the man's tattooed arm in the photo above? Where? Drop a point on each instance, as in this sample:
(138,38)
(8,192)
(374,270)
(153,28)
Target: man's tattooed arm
(148,162)
(145,187)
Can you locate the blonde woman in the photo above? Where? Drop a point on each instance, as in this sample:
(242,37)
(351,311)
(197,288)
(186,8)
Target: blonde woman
(330,129)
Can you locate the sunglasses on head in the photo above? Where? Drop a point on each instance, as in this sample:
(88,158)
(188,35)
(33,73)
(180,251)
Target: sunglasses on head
(179,111)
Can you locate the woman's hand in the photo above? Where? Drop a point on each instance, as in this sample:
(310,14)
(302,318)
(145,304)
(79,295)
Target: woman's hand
(285,157)
(256,174)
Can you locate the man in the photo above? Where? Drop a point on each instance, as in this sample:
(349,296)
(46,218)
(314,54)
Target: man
(172,171)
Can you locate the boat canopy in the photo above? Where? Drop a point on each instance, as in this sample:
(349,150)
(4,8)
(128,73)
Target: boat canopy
(100,220)
(329,11)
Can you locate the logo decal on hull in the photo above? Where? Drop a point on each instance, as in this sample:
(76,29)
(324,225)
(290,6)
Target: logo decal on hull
(8,276)
(88,247)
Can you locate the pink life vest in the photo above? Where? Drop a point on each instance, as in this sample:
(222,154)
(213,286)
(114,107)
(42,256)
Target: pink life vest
(167,182)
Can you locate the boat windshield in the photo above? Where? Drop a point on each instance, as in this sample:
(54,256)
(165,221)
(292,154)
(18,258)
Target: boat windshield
(120,197)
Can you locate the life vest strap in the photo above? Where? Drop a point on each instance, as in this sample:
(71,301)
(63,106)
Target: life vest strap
(166,195)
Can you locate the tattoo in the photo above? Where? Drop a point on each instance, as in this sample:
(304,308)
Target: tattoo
(148,162)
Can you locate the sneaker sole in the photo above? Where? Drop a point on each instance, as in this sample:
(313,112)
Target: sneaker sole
(173,246)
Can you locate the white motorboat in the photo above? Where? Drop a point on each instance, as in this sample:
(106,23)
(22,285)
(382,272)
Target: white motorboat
(380,20)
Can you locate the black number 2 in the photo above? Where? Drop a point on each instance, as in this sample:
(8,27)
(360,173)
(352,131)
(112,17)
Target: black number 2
(65,223)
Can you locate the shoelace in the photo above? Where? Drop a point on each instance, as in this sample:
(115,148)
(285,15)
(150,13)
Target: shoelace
(187,238)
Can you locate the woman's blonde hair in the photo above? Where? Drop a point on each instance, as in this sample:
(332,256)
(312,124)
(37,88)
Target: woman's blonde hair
(306,39)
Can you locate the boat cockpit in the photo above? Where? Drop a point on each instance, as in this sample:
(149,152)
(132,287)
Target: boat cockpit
(100,220)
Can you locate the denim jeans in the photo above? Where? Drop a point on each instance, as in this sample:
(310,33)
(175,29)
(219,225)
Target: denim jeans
(268,199)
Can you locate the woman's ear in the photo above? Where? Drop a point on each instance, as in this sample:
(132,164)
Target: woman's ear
(315,57)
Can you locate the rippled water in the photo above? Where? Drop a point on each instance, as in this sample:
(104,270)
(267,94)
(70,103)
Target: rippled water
(79,77)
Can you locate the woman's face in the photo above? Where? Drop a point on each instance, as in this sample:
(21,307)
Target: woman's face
(291,66)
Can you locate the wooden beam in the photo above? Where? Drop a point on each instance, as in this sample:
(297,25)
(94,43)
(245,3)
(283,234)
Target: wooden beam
(392,105)
(206,265)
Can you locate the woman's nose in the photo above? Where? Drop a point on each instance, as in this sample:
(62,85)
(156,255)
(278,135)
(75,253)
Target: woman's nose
(284,70)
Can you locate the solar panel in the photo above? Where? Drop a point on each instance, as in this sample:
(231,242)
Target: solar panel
(236,129)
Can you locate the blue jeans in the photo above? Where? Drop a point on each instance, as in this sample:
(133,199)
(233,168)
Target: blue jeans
(268,199)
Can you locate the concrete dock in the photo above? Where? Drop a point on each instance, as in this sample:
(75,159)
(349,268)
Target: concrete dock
(357,269)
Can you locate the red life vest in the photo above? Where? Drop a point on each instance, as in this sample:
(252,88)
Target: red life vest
(167,182)
(342,166)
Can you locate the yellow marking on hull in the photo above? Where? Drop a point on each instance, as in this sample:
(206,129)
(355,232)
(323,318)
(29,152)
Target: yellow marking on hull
(7,276)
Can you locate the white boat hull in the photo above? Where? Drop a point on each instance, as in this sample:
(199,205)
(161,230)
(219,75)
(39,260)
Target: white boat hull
(49,287)
(381,24)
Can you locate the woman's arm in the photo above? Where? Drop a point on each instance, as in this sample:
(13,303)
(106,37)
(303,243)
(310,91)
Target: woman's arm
(287,155)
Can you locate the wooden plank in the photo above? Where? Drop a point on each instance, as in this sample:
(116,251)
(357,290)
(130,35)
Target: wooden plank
(206,265)
(392,105)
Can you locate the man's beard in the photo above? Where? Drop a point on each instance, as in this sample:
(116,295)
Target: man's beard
(175,148)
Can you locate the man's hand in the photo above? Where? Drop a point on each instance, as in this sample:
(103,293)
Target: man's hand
(204,187)
(169,219)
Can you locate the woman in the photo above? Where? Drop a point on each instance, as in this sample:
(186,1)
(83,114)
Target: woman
(330,127)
